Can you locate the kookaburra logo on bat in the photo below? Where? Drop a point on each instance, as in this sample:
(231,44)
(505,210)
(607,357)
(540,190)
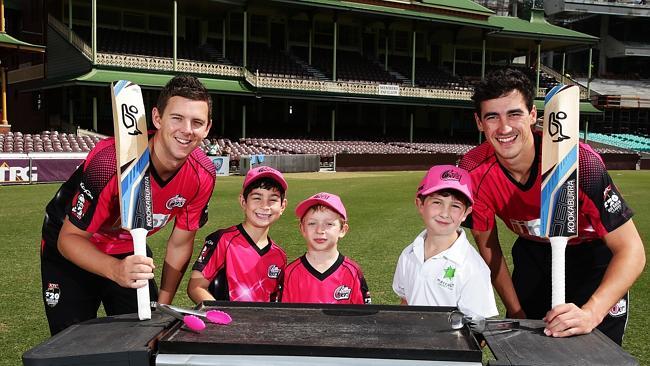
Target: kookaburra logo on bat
(129,119)
(555,126)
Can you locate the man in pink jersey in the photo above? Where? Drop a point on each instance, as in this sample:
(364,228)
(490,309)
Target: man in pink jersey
(602,263)
(323,275)
(242,263)
(86,258)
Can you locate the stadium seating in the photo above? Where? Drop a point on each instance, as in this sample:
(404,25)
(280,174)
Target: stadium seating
(350,66)
(426,75)
(147,44)
(622,140)
(267,61)
(47,141)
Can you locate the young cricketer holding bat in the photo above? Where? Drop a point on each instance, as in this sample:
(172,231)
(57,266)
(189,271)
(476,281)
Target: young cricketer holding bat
(86,258)
(604,260)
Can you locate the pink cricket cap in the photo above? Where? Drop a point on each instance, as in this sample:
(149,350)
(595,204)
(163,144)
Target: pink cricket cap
(264,172)
(441,177)
(326,199)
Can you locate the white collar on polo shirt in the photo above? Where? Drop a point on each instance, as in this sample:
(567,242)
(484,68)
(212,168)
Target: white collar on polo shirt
(456,253)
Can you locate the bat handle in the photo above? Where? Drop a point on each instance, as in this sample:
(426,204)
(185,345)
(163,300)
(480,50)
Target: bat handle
(139,236)
(558,262)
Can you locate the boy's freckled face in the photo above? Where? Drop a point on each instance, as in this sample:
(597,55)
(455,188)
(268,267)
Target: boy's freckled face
(263,206)
(322,229)
(442,215)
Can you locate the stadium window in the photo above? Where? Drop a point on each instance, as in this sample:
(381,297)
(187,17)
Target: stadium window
(463,54)
(214,26)
(81,12)
(236,24)
(499,58)
(402,43)
(349,35)
(111,18)
(323,33)
(259,27)
(299,31)
(134,21)
(420,39)
(159,23)
(477,56)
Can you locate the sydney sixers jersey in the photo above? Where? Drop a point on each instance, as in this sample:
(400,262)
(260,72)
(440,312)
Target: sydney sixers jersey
(601,206)
(242,270)
(343,283)
(90,199)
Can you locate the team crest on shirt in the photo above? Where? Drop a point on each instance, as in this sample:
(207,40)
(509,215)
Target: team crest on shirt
(52,294)
(80,206)
(613,203)
(619,309)
(447,280)
(273,272)
(342,293)
(176,201)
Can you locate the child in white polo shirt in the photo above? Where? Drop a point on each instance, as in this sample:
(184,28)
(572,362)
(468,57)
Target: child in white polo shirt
(440,267)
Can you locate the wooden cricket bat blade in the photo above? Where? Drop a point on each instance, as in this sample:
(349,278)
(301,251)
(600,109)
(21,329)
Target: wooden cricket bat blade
(134,186)
(559,196)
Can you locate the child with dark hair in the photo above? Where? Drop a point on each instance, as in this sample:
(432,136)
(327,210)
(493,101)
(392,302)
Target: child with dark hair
(440,267)
(87,260)
(242,263)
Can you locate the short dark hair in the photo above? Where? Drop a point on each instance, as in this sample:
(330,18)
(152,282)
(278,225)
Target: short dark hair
(500,82)
(186,86)
(263,183)
(449,192)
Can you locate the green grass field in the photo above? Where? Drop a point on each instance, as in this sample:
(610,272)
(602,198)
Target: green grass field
(383,220)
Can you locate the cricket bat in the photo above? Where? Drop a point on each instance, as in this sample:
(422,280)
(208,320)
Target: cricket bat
(559,200)
(132,155)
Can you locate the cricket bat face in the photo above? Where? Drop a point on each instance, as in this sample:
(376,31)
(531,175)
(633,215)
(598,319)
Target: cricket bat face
(132,154)
(134,187)
(559,200)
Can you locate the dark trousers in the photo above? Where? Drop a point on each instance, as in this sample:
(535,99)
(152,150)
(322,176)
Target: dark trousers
(72,295)
(585,267)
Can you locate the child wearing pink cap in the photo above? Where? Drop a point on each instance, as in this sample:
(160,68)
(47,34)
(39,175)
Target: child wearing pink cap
(440,267)
(323,275)
(242,263)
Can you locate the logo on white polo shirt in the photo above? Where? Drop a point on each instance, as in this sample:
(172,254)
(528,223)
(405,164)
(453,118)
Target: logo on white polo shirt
(447,280)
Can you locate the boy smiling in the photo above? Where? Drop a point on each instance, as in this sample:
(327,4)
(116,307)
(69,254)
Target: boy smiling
(441,268)
(242,263)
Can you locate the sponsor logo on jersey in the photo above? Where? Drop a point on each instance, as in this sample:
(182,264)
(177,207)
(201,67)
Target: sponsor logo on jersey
(85,190)
(52,294)
(619,309)
(274,271)
(342,293)
(176,201)
(447,280)
(206,248)
(522,227)
(80,207)
(159,220)
(613,203)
